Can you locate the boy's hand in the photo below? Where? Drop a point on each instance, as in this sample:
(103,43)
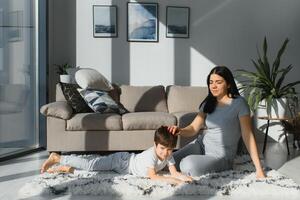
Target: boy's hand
(169,179)
(174,130)
(186,178)
(178,175)
(61,169)
(177,181)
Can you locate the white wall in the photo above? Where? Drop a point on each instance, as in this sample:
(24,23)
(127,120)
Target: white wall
(222,32)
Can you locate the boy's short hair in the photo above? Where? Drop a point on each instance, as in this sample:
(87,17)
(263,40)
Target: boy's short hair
(164,137)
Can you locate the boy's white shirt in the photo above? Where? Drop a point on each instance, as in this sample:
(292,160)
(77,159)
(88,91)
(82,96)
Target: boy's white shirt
(140,163)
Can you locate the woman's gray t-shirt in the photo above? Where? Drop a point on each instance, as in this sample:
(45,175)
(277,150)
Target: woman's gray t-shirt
(223,131)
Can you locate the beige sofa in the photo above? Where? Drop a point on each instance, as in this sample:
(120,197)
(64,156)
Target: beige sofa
(149,107)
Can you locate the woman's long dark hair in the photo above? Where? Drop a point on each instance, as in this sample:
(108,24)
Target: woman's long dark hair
(210,102)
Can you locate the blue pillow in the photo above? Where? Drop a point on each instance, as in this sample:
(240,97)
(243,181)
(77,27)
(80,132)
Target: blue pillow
(100,101)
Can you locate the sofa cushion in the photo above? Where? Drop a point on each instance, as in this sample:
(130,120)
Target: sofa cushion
(185,98)
(74,99)
(147,120)
(59,95)
(88,78)
(58,109)
(115,93)
(101,101)
(94,121)
(143,98)
(184,118)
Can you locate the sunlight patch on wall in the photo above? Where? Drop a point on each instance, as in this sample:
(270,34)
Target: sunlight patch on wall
(200,67)
(152,63)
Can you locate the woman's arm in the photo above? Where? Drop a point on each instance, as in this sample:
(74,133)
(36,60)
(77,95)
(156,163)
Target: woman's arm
(249,140)
(190,130)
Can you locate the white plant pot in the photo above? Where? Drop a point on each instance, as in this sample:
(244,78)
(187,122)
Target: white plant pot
(65,78)
(279,109)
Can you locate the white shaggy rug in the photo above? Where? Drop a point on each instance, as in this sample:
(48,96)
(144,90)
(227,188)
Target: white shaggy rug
(238,182)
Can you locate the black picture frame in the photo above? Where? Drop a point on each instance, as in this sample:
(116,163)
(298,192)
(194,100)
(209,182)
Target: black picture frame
(142,22)
(177,22)
(105,21)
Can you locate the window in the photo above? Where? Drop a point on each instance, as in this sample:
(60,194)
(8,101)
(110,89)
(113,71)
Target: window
(20,68)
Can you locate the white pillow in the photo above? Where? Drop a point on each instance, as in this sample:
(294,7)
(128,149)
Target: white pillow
(88,78)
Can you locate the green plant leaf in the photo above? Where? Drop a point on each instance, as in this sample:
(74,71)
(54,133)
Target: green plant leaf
(258,98)
(62,69)
(252,75)
(290,86)
(276,63)
(266,65)
(284,72)
(266,83)
(269,100)
(258,66)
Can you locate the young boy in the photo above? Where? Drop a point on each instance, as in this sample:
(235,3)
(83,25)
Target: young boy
(145,164)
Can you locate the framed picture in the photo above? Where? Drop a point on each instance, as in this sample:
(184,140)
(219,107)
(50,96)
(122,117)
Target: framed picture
(142,22)
(178,19)
(14,32)
(105,21)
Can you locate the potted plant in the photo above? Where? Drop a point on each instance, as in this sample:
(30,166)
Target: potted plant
(62,71)
(265,87)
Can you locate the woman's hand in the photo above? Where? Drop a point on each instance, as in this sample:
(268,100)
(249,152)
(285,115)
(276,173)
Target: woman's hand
(260,174)
(175,130)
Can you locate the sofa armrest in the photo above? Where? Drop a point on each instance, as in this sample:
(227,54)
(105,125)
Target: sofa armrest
(58,109)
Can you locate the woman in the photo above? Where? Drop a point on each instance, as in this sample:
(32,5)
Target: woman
(225,116)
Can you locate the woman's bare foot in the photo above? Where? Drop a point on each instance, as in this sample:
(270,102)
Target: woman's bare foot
(53,159)
(61,169)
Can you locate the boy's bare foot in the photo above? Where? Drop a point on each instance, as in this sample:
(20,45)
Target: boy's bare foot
(53,159)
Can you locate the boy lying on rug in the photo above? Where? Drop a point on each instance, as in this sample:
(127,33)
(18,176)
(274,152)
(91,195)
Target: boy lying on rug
(145,164)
